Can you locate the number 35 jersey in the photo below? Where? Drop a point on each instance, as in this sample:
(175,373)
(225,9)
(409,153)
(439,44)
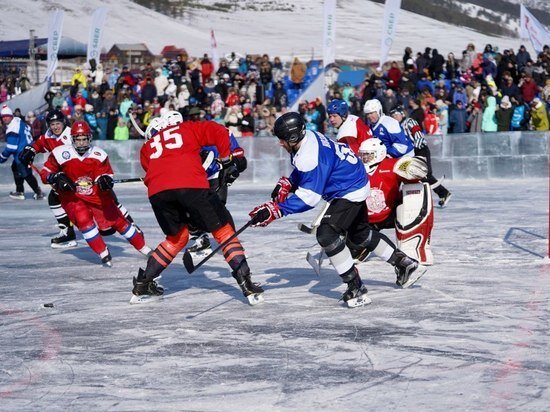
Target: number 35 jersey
(171,159)
(325,170)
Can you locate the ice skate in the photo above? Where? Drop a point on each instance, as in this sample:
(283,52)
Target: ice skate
(65,239)
(408,270)
(445,199)
(201,248)
(38,196)
(145,292)
(252,291)
(107,260)
(356,294)
(17,195)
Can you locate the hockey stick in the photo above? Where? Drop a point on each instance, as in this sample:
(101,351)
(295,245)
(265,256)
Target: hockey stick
(188,259)
(138,129)
(316,222)
(129,180)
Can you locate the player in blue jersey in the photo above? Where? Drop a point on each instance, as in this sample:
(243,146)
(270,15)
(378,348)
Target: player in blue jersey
(18,135)
(388,130)
(331,171)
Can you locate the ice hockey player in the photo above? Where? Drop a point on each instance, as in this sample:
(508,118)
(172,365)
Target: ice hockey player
(210,158)
(351,129)
(18,135)
(59,134)
(406,207)
(331,171)
(180,196)
(83,177)
(415,135)
(388,130)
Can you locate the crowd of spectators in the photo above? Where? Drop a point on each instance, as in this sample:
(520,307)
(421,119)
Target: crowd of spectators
(481,91)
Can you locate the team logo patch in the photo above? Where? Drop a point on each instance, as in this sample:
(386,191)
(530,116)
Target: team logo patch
(84,186)
(66,155)
(376,202)
(97,153)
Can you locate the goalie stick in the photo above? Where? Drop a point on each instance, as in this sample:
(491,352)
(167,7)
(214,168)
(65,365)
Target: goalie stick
(141,132)
(310,230)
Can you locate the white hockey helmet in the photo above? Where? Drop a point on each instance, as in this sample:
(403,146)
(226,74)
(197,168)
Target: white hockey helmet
(373,106)
(172,118)
(372,151)
(155,125)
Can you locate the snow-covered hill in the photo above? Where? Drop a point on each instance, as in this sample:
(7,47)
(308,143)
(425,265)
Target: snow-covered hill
(294,29)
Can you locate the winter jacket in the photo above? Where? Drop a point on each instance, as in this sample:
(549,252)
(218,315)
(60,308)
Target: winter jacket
(489,122)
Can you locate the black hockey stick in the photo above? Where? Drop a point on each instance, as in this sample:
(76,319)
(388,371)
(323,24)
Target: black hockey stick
(188,259)
(130,180)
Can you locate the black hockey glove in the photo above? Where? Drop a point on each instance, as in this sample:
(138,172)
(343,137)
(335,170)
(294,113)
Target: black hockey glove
(229,172)
(60,181)
(27,155)
(105,182)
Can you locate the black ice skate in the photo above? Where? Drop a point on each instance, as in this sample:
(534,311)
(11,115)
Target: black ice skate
(38,196)
(201,247)
(444,200)
(407,269)
(17,195)
(145,292)
(252,291)
(107,260)
(65,239)
(356,294)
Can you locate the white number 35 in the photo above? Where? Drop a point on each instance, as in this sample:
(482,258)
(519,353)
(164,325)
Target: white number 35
(166,139)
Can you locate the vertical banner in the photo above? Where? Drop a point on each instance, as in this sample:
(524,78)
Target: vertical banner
(532,29)
(391,12)
(215,56)
(55,29)
(329,33)
(96,33)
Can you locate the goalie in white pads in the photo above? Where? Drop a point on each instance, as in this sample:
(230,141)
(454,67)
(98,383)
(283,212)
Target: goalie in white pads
(399,200)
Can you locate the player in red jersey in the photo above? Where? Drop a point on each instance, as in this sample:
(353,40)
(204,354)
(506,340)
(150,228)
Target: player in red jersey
(59,134)
(83,177)
(351,129)
(180,196)
(408,208)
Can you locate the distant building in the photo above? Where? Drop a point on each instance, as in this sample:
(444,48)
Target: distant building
(171,52)
(133,55)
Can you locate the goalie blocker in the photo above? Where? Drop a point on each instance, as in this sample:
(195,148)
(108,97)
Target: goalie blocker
(414,222)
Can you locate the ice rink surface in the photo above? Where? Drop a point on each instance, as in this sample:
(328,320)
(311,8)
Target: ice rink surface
(472,335)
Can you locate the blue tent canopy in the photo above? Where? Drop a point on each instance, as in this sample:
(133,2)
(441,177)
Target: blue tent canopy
(68,48)
(354,77)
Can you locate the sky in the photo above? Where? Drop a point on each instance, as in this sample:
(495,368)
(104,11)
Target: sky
(280,33)
(472,334)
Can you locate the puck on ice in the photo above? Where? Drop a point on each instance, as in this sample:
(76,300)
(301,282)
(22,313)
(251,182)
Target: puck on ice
(48,305)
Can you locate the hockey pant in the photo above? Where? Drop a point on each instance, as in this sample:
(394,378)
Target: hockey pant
(414,222)
(59,213)
(22,174)
(85,216)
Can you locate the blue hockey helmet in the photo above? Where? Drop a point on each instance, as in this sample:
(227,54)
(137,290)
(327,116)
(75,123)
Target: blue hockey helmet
(339,107)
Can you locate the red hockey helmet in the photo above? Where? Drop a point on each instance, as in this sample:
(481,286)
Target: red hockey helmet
(81,135)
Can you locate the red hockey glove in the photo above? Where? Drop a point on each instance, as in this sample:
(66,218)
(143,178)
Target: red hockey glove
(264,214)
(282,190)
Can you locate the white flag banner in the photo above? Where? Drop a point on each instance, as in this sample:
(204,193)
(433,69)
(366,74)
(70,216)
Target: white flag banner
(329,33)
(96,33)
(55,29)
(215,56)
(391,12)
(532,29)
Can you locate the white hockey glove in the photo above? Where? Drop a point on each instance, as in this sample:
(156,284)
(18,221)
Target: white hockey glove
(411,168)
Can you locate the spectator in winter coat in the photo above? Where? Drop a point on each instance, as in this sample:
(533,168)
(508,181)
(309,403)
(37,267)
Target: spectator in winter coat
(519,118)
(436,64)
(508,87)
(149,90)
(442,112)
(457,118)
(394,77)
(431,120)
(522,57)
(121,130)
(297,72)
(451,67)
(35,124)
(528,88)
(504,115)
(113,78)
(489,123)
(79,77)
(161,83)
(539,116)
(424,83)
(475,117)
(207,68)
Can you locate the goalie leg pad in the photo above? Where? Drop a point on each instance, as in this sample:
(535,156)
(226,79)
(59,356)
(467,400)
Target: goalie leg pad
(414,222)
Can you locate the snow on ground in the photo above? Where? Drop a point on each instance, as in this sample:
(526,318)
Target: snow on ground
(472,335)
(277,32)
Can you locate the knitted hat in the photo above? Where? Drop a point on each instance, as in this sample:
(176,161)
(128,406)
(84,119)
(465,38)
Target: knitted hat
(6,111)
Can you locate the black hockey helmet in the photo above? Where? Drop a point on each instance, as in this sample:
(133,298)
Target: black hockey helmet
(290,127)
(398,109)
(55,116)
